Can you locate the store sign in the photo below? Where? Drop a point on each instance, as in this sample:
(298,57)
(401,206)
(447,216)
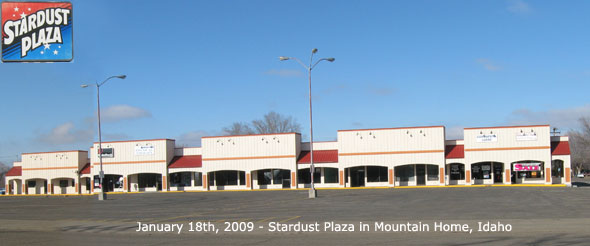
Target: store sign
(519,167)
(107,153)
(144,150)
(526,136)
(483,138)
(37,31)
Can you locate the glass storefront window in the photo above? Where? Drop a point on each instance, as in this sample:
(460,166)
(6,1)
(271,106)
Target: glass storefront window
(330,175)
(376,174)
(404,173)
(481,171)
(198,179)
(432,172)
(304,177)
(457,172)
(264,177)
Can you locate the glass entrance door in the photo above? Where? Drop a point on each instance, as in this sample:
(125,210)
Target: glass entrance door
(498,172)
(421,174)
(357,176)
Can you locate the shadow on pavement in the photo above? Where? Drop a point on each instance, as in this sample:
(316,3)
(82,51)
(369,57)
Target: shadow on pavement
(581,184)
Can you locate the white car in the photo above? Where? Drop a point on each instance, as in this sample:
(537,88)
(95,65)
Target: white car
(580,175)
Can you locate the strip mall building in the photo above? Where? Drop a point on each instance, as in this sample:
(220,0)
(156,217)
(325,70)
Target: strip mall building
(389,157)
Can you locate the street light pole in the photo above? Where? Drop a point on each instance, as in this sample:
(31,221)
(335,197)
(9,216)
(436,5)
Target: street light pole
(101,194)
(312,190)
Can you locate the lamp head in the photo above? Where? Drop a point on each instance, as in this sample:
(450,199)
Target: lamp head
(83,86)
(122,76)
(283,58)
(314,51)
(331,59)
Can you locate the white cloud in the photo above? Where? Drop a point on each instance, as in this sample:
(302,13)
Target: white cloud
(66,133)
(518,7)
(123,112)
(191,139)
(561,118)
(487,64)
(284,72)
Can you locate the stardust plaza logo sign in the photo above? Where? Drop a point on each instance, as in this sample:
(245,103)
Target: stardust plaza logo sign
(37,32)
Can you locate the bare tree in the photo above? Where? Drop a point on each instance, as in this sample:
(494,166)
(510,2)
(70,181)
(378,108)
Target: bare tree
(238,128)
(3,170)
(275,123)
(580,146)
(272,122)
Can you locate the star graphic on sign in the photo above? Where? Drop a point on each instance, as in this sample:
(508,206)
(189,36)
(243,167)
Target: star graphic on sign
(46,46)
(55,52)
(23,15)
(15,9)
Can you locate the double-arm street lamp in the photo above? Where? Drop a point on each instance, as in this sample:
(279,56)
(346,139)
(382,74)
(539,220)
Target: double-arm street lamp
(312,190)
(101,194)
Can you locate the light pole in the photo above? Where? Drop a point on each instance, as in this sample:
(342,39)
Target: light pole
(312,190)
(101,194)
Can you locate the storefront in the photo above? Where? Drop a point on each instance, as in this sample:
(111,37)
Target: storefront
(528,172)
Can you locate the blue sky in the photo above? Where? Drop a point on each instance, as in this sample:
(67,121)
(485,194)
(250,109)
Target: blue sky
(194,67)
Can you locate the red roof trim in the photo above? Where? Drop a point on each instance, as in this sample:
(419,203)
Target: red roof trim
(186,161)
(319,156)
(395,128)
(455,151)
(15,171)
(85,169)
(493,127)
(560,148)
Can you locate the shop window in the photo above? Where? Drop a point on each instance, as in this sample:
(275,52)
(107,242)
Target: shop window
(404,173)
(264,177)
(304,176)
(198,179)
(557,168)
(280,175)
(144,180)
(432,172)
(211,179)
(481,171)
(31,183)
(528,169)
(457,172)
(317,175)
(330,175)
(73,183)
(63,183)
(376,174)
(223,178)
(242,178)
(180,179)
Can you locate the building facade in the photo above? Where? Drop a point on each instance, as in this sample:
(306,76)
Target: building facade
(386,157)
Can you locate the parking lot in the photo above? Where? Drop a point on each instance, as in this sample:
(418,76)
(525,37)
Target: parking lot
(537,215)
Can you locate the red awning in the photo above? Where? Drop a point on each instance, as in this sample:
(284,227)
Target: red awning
(319,156)
(455,151)
(15,171)
(85,169)
(186,161)
(560,148)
